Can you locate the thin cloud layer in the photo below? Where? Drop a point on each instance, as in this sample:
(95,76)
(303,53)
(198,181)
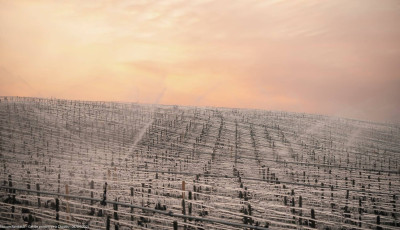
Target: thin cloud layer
(329,57)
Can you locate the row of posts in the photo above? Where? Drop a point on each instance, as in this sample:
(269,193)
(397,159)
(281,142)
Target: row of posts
(175,223)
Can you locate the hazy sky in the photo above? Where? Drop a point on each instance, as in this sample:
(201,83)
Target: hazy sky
(339,57)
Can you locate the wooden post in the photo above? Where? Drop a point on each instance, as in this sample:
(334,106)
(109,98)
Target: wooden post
(9,184)
(28,186)
(378,222)
(12,191)
(183,189)
(67,193)
(312,222)
(59,177)
(359,211)
(103,202)
(38,194)
(116,215)
(91,195)
(183,207)
(108,223)
(175,225)
(300,211)
(131,203)
(57,209)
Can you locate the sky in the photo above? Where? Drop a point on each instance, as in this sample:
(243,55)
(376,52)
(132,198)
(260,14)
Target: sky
(337,57)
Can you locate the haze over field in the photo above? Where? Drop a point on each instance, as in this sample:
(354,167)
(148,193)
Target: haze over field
(182,168)
(329,57)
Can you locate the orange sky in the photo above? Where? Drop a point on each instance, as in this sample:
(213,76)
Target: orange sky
(334,57)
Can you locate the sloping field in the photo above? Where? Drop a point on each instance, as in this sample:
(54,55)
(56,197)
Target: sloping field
(109,165)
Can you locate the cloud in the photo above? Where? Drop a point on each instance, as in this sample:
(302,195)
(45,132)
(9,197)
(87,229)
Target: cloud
(305,56)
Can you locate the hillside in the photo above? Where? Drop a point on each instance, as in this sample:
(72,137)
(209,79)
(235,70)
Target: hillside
(193,168)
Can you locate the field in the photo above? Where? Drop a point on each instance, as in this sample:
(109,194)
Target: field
(132,166)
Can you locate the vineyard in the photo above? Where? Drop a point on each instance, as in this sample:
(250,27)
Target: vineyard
(106,165)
